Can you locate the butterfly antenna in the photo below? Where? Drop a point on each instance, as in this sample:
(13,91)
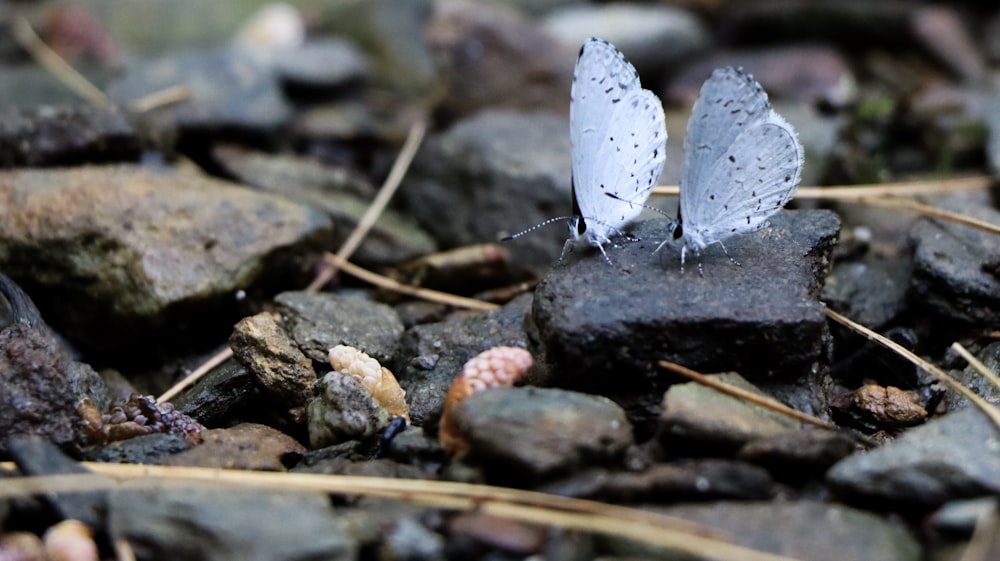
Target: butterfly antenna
(645,206)
(535,227)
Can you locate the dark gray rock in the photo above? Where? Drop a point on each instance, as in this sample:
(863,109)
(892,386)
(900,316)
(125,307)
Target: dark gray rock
(230,89)
(202,523)
(604,327)
(493,174)
(47,136)
(798,454)
(957,268)
(320,321)
(150,449)
(491,57)
(125,250)
(951,457)
(961,517)
(871,289)
(518,434)
(689,480)
(806,530)
(654,37)
(323,64)
(343,409)
(430,356)
(41,388)
(972,379)
(702,418)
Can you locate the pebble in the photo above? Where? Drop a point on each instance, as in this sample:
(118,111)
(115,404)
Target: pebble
(323,65)
(796,455)
(951,457)
(343,410)
(524,158)
(518,435)
(272,357)
(249,446)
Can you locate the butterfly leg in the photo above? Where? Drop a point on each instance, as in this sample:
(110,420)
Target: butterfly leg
(566,247)
(600,246)
(735,262)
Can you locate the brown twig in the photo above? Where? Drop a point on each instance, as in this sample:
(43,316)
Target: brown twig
(992,412)
(385,193)
(513,504)
(166,96)
(51,61)
(396,286)
(196,375)
(740,393)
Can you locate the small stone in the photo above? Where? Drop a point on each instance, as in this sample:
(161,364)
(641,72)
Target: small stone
(276,363)
(533,433)
(323,64)
(889,406)
(343,410)
(950,457)
(432,355)
(704,418)
(152,449)
(232,525)
(46,136)
(798,454)
(248,446)
(957,268)
(227,392)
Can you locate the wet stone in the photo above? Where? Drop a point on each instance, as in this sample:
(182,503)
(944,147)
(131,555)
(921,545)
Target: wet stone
(150,449)
(697,418)
(604,327)
(227,392)
(323,64)
(957,268)
(47,136)
(320,321)
(41,388)
(126,250)
(518,434)
(431,355)
(951,457)
(686,480)
(253,525)
(806,530)
(230,88)
(798,454)
(248,446)
(493,174)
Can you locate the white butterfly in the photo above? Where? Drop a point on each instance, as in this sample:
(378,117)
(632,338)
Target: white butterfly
(742,162)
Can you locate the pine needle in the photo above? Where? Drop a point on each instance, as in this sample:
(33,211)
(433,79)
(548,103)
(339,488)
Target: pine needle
(56,65)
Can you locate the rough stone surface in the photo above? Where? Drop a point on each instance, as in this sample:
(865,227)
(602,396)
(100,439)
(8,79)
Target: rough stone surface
(248,446)
(276,363)
(432,355)
(951,457)
(231,525)
(47,136)
(870,289)
(230,88)
(225,393)
(696,415)
(41,388)
(493,174)
(806,530)
(153,449)
(319,322)
(798,454)
(688,481)
(604,327)
(957,268)
(972,379)
(124,249)
(533,433)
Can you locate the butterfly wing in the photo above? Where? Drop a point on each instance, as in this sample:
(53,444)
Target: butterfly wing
(602,78)
(755,176)
(730,102)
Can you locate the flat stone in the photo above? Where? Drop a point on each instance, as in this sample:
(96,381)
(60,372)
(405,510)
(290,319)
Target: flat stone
(957,268)
(248,446)
(230,88)
(152,449)
(798,454)
(604,327)
(127,249)
(533,433)
(806,530)
(519,163)
(229,524)
(320,321)
(45,136)
(703,418)
(323,64)
(431,355)
(951,457)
